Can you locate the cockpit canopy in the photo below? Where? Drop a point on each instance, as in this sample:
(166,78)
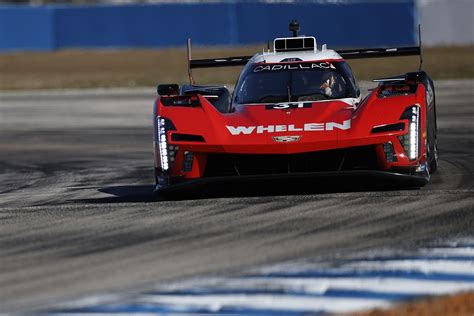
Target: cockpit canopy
(292,80)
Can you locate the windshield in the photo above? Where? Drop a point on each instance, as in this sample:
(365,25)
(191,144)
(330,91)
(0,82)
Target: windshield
(313,81)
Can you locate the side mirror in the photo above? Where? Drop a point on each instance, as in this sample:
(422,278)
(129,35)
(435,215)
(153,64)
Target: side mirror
(168,89)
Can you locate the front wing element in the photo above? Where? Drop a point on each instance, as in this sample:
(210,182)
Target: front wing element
(355,179)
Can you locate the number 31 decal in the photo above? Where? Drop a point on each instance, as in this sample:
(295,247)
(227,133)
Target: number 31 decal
(285,106)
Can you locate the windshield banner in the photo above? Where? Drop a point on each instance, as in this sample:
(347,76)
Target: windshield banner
(293,66)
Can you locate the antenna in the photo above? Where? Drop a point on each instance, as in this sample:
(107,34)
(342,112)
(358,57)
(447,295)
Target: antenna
(294,27)
(190,72)
(419,44)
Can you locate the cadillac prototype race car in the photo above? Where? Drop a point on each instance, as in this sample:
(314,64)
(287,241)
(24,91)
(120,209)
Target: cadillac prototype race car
(296,110)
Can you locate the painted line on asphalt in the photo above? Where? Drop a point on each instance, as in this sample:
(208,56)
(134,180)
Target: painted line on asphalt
(375,280)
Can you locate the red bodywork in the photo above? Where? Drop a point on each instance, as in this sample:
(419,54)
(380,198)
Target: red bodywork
(375,110)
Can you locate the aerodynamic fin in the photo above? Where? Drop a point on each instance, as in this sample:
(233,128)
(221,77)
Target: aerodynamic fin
(213,62)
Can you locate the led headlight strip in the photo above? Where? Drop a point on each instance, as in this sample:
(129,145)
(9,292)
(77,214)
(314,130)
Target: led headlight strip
(414,123)
(163,143)
(167,152)
(411,140)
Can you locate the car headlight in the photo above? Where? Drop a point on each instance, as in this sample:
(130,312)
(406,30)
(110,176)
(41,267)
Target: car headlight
(167,152)
(411,140)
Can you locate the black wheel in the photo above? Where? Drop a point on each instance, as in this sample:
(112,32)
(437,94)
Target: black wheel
(433,158)
(433,141)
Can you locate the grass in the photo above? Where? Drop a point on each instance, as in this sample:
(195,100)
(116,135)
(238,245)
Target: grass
(129,68)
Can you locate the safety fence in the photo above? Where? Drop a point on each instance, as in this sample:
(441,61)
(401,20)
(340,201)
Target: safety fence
(337,23)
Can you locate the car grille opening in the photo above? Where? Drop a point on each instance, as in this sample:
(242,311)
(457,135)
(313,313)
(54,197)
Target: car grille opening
(357,158)
(176,137)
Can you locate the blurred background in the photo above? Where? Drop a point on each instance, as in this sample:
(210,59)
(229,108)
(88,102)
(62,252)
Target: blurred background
(116,43)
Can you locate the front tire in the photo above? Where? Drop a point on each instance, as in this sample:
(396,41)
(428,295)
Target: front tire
(434,158)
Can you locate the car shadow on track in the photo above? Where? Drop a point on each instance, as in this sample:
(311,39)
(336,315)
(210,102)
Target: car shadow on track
(241,189)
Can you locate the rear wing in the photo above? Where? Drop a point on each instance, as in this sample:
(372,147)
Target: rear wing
(379,52)
(346,54)
(219,62)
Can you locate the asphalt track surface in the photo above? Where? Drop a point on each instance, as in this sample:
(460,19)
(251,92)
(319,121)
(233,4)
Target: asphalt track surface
(78,217)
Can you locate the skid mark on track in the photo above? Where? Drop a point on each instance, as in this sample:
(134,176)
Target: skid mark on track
(373,280)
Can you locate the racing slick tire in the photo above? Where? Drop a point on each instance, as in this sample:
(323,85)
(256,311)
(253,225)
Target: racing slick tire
(433,164)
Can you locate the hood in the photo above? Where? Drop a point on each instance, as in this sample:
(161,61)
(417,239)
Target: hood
(265,128)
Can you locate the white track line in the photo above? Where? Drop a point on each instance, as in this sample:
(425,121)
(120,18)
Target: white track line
(301,293)
(422,265)
(274,302)
(322,285)
(443,251)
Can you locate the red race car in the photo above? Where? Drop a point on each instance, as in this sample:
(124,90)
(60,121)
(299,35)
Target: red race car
(296,110)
